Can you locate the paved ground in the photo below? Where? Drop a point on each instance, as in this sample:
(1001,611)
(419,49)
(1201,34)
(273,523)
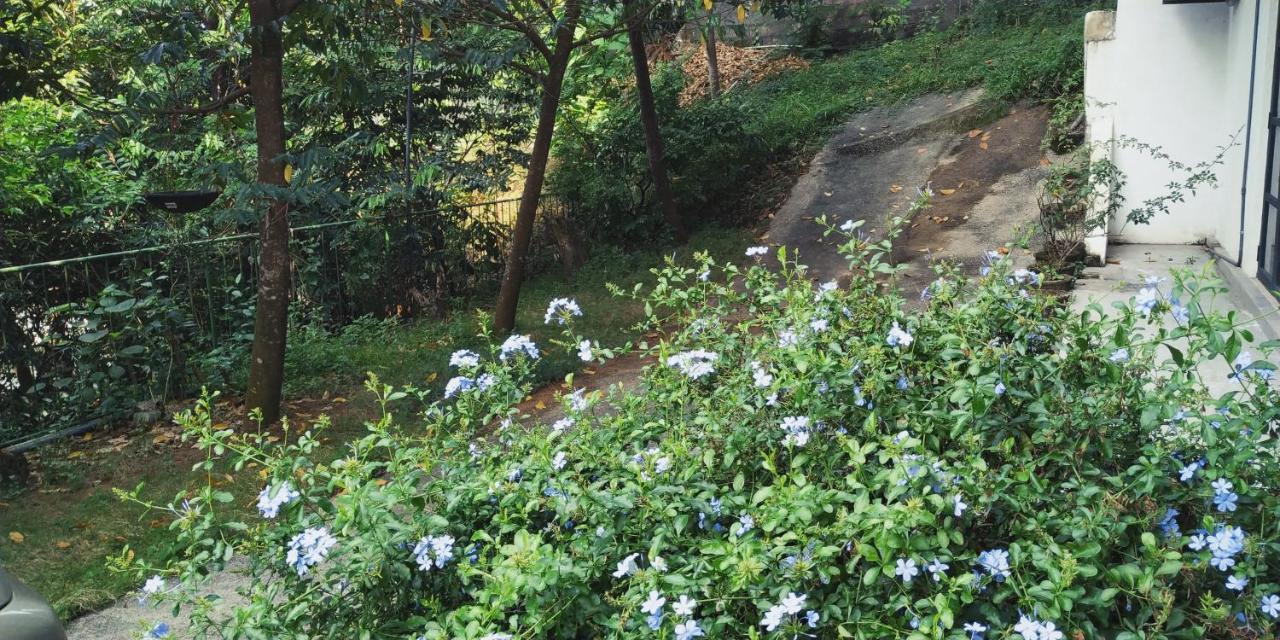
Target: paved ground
(1129,265)
(869,171)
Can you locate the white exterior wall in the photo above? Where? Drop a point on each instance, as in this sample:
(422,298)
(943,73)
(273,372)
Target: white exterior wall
(1178,76)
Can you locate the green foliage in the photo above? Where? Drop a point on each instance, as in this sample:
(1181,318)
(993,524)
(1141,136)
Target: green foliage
(723,152)
(1064,467)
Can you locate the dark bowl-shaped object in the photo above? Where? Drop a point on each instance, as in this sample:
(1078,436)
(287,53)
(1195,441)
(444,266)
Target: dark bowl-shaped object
(182,201)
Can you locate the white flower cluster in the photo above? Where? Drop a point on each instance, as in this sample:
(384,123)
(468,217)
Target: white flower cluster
(791,605)
(433,551)
(560,310)
(464,359)
(309,548)
(271,499)
(516,345)
(696,364)
(797,429)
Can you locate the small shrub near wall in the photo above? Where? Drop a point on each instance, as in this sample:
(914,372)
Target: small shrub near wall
(801,460)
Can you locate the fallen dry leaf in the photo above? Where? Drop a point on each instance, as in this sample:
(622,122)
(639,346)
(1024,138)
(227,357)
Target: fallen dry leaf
(975,133)
(539,405)
(982,145)
(986,136)
(826,193)
(946,192)
(62,544)
(894,188)
(16,537)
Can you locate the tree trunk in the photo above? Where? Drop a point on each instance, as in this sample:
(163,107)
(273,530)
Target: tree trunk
(266,369)
(504,315)
(713,63)
(652,134)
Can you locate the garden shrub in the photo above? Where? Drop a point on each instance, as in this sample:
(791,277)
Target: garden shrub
(800,459)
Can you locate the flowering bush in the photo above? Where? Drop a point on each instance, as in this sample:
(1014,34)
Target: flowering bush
(800,460)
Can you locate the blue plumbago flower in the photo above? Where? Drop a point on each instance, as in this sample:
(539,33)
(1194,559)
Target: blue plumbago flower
(753,252)
(688,630)
(654,604)
(1242,363)
(1224,544)
(1225,502)
(1169,524)
(1222,485)
(825,288)
(1189,471)
(797,429)
(562,425)
(1270,605)
(903,383)
(1237,582)
(975,630)
(684,606)
(658,564)
(695,364)
(960,505)
(788,338)
(662,465)
(153,585)
(811,618)
(627,566)
(705,275)
(457,385)
(906,569)
(517,345)
(848,226)
(818,325)
(584,351)
(1153,281)
(999,388)
(1197,542)
(898,337)
(715,506)
(772,618)
(996,563)
(654,621)
(1031,629)
(1024,276)
(559,461)
(309,548)
(433,552)
(497,636)
(989,260)
(560,310)
(270,499)
(1146,300)
(760,376)
(578,400)
(937,569)
(793,603)
(927,292)
(159,631)
(1119,355)
(464,359)
(1180,313)
(747,522)
(485,381)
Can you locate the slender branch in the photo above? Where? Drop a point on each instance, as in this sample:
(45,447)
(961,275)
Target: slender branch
(227,98)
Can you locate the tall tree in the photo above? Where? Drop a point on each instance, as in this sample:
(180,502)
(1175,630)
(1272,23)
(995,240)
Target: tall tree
(649,119)
(271,313)
(713,60)
(546,35)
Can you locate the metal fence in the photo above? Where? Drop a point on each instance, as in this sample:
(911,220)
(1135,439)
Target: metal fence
(93,336)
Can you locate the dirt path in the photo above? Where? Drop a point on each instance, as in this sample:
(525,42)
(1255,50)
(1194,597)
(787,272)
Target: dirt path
(868,171)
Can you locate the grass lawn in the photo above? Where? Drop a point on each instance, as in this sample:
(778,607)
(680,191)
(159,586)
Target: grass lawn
(73,521)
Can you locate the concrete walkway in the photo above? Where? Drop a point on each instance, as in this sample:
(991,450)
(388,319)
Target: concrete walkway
(1130,265)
